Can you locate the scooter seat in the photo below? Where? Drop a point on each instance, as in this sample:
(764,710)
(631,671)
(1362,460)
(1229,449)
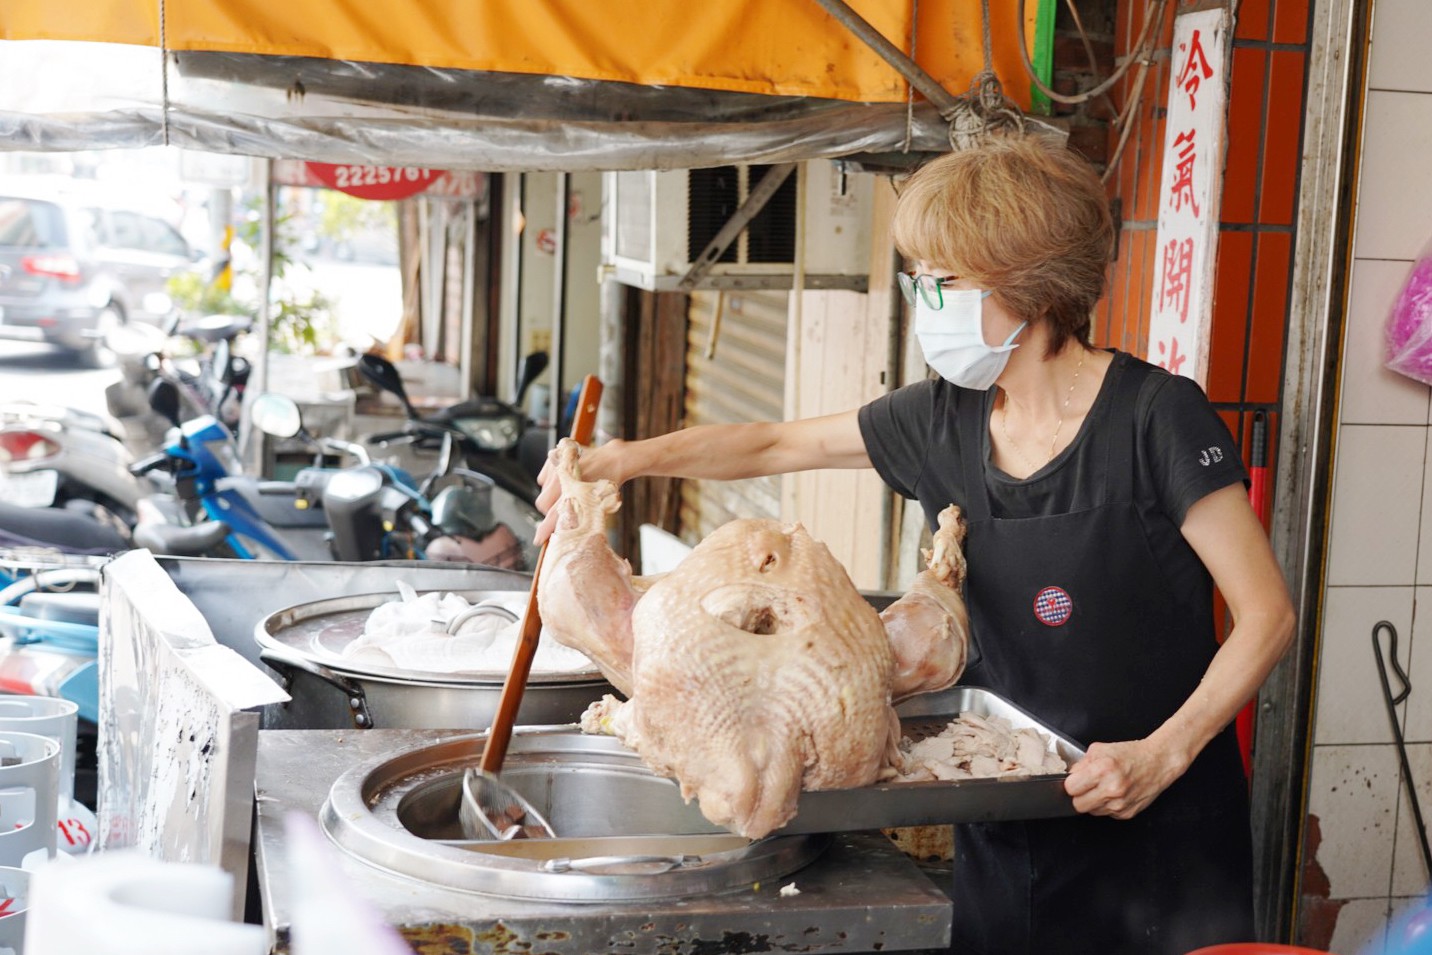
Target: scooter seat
(56,527)
(179,541)
(215,328)
(65,608)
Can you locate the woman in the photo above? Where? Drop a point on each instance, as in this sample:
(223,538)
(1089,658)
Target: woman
(1104,497)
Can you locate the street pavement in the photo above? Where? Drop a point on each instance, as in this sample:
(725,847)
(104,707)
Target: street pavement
(49,376)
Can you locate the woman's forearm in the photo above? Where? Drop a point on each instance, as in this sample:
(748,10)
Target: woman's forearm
(727,452)
(1232,544)
(1253,647)
(722,452)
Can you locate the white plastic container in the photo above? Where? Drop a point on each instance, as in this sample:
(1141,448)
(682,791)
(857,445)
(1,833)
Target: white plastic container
(125,903)
(58,719)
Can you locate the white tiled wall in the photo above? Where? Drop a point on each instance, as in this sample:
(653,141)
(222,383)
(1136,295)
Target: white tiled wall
(1347,716)
(1377,500)
(1380,540)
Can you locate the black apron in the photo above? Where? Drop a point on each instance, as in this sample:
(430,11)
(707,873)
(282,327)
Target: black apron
(1075,621)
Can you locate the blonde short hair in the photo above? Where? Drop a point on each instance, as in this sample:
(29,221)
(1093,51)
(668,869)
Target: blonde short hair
(1024,219)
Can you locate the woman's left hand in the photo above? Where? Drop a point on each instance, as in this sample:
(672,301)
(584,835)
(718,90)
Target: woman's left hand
(1121,779)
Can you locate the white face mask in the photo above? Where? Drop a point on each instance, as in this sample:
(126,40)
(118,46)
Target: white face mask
(953,340)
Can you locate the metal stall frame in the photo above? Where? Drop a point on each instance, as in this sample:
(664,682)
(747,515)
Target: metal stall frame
(1322,264)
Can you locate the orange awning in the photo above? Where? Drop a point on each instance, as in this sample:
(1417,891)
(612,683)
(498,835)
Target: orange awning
(108,21)
(500,85)
(778,47)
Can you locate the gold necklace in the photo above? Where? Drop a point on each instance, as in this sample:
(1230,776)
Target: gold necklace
(1004,421)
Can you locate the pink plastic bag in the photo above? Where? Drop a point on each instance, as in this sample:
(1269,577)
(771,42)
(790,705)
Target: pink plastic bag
(1409,326)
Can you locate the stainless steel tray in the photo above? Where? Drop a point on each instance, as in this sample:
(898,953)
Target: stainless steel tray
(318,631)
(587,785)
(887,805)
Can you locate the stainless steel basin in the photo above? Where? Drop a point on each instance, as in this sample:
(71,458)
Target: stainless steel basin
(625,834)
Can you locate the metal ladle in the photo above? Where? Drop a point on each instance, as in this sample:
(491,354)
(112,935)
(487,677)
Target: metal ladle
(484,609)
(490,808)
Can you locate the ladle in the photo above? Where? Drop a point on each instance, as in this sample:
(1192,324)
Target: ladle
(490,808)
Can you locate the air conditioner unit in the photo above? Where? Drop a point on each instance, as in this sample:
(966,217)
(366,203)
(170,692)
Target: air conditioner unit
(656,224)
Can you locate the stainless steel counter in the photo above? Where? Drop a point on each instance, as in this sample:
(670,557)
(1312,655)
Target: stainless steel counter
(861,895)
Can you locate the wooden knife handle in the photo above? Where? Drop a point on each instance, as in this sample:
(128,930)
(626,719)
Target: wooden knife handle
(501,733)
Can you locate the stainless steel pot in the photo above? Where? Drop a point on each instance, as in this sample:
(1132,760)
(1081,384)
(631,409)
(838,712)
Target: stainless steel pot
(333,700)
(304,645)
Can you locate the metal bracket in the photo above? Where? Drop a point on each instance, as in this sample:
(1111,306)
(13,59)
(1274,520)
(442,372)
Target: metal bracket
(944,101)
(756,201)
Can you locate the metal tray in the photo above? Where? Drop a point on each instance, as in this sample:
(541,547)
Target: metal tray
(538,752)
(319,630)
(887,805)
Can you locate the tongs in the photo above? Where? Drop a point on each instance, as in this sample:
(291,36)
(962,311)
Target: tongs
(490,808)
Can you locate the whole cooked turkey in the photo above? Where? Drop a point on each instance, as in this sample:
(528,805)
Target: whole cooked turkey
(755,669)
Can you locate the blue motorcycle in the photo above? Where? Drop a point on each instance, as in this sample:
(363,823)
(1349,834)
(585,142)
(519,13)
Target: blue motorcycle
(265,519)
(377,511)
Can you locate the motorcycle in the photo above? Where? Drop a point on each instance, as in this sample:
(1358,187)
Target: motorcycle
(491,435)
(51,455)
(376,511)
(264,518)
(212,383)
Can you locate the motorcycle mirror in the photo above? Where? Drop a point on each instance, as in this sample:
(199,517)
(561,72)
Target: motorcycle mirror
(164,399)
(441,469)
(532,366)
(276,415)
(464,511)
(383,373)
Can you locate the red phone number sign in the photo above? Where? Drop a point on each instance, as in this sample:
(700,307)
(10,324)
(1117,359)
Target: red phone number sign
(375,182)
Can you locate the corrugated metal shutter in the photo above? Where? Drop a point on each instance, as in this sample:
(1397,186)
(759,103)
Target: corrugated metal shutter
(736,375)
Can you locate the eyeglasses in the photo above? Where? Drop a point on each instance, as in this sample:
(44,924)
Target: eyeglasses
(929,287)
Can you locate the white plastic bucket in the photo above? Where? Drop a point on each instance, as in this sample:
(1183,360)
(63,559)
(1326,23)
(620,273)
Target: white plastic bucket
(57,719)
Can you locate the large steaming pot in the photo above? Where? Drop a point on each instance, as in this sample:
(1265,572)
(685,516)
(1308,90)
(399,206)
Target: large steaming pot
(305,643)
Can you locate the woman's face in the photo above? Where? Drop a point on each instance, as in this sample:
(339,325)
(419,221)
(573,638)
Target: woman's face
(996,322)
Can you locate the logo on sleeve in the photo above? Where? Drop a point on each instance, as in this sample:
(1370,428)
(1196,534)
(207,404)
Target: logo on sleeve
(1053,606)
(1210,456)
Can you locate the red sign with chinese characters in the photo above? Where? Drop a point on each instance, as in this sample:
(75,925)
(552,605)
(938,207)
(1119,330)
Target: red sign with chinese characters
(1189,193)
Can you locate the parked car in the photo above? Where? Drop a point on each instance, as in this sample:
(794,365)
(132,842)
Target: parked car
(75,265)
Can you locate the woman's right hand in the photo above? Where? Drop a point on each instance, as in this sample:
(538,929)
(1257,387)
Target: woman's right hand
(595,464)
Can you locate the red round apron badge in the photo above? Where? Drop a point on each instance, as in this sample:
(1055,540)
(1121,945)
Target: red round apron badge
(1053,606)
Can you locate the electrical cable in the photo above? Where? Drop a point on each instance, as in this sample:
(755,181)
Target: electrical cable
(1118,74)
(1088,47)
(910,87)
(1125,120)
(163,74)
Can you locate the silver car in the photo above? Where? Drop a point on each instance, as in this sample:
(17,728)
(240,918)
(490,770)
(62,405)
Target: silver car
(72,269)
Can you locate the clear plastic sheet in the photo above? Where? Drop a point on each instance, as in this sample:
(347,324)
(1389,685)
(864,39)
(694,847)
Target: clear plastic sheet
(70,95)
(66,95)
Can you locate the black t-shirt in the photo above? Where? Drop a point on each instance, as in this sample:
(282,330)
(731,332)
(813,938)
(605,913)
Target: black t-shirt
(1183,452)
